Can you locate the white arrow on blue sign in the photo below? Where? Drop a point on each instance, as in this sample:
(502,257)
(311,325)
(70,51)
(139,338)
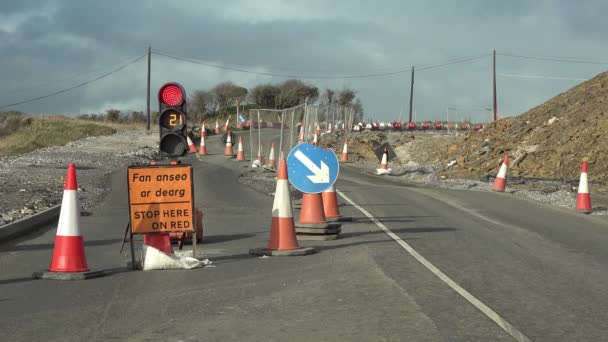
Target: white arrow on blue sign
(312,169)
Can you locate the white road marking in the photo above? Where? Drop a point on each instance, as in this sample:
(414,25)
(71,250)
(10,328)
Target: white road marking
(506,326)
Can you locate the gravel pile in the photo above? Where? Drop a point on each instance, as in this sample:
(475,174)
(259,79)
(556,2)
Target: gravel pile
(33,182)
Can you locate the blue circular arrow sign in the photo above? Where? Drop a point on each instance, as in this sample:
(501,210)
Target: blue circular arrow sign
(312,169)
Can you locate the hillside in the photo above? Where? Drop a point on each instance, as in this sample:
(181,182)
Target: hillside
(548,141)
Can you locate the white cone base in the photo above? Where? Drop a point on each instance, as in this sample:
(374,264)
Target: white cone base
(382,172)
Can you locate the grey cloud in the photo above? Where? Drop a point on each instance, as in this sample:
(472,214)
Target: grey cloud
(354,37)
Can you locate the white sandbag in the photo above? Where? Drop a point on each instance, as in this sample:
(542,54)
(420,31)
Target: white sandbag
(384,171)
(157,260)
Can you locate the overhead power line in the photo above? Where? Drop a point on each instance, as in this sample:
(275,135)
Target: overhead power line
(457,61)
(76,86)
(543,77)
(295,75)
(285,75)
(553,59)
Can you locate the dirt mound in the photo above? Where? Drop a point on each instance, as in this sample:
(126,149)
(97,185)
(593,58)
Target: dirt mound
(548,141)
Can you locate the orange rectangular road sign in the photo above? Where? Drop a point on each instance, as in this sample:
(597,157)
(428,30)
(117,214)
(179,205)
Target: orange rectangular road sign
(160,198)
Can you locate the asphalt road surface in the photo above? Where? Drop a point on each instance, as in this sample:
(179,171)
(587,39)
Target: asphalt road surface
(453,264)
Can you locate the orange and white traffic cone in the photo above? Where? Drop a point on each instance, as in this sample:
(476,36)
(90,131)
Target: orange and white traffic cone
(191,147)
(384,170)
(314,139)
(202,149)
(260,154)
(330,205)
(203,131)
(217,126)
(301,135)
(318,130)
(69,261)
(228,152)
(271,162)
(68,253)
(240,154)
(162,242)
(313,224)
(282,241)
(344,156)
(500,182)
(583,198)
(227,125)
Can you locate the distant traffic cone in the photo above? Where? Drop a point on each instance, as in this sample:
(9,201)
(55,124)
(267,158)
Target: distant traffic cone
(191,147)
(344,157)
(68,253)
(384,170)
(227,125)
(271,162)
(282,241)
(301,135)
(217,126)
(583,199)
(330,204)
(384,162)
(162,242)
(203,131)
(240,154)
(228,150)
(501,179)
(318,130)
(314,139)
(202,150)
(260,154)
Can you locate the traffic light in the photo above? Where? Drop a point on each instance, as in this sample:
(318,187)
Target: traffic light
(172,120)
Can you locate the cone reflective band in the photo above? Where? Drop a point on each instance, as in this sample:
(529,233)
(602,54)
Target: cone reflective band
(583,198)
(501,179)
(172,120)
(68,253)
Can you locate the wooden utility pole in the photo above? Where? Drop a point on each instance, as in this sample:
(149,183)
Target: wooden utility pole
(495,107)
(411,93)
(148,95)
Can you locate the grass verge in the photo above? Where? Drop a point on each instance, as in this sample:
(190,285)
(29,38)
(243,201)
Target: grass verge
(32,133)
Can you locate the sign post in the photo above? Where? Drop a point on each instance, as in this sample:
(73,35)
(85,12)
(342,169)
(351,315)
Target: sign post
(161,200)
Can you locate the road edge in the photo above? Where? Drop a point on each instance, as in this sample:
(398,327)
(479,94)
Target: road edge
(28,224)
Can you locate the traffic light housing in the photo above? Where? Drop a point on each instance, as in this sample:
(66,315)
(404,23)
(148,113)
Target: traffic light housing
(172,121)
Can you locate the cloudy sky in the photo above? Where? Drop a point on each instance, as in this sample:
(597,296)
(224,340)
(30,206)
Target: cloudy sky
(48,46)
